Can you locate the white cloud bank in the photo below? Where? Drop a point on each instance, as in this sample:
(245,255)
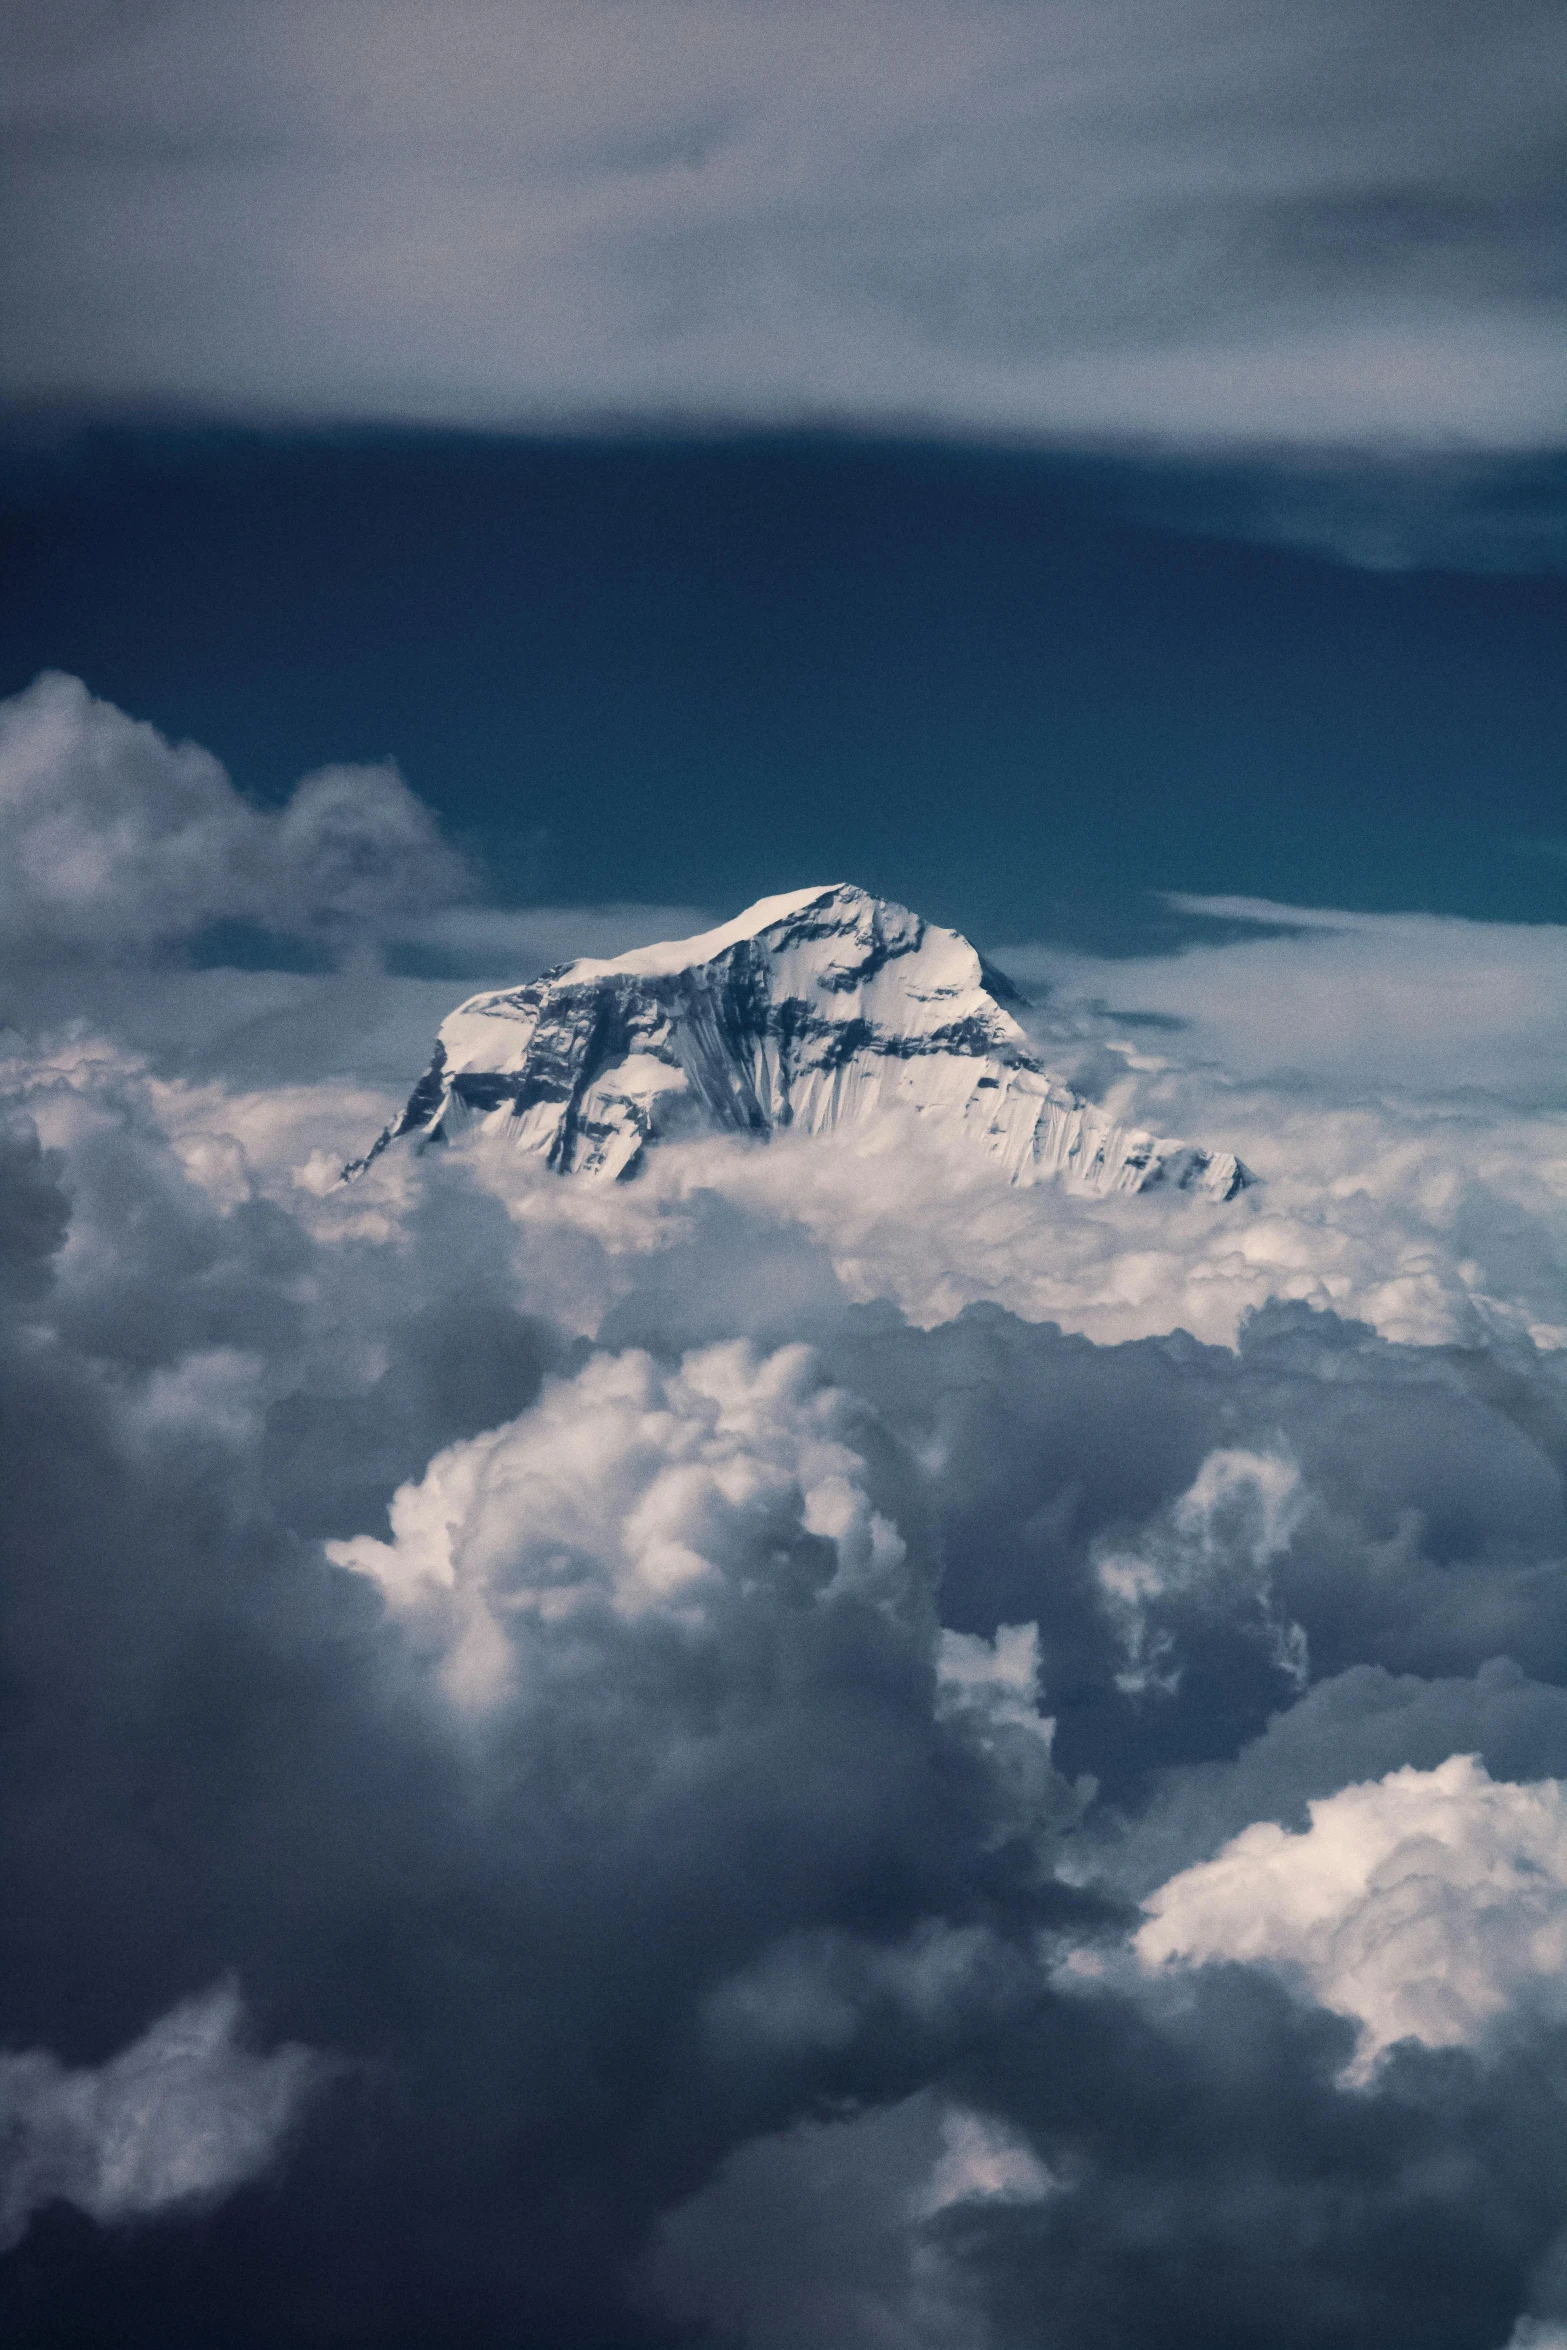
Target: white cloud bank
(181,2117)
(1394,1080)
(1412,1005)
(1222,222)
(1437,1219)
(1424,1905)
(1433,1224)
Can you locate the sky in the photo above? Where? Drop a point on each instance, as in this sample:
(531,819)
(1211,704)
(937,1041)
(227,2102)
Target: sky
(989,683)
(811,1751)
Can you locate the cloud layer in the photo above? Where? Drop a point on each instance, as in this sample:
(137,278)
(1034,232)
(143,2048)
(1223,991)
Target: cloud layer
(1210,226)
(824,1752)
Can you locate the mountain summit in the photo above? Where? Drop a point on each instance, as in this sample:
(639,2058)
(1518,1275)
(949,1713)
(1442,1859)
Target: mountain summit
(814,1011)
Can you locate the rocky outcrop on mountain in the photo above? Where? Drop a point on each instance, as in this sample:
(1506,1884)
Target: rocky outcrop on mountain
(812,1012)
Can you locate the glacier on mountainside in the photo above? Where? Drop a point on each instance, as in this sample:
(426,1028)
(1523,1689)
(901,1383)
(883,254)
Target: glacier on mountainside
(812,1012)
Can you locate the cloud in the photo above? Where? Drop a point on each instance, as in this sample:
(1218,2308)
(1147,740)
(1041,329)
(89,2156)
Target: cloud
(1061,221)
(980,2158)
(1222,1536)
(703,1930)
(635,1489)
(1433,1226)
(991,1687)
(648,1676)
(1390,1078)
(821,2234)
(33,1211)
(115,844)
(481,941)
(1352,1726)
(1389,509)
(1424,1904)
(180,2118)
(1420,1005)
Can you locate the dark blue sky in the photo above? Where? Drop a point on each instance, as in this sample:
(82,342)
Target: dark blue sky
(701,670)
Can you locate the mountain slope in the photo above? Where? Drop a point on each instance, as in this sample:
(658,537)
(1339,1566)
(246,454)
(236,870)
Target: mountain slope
(814,1011)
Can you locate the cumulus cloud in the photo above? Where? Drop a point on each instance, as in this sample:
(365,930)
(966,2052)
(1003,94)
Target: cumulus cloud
(180,2118)
(1424,1904)
(115,843)
(33,1211)
(1065,220)
(1390,1077)
(981,2158)
(634,1488)
(683,1688)
(677,1811)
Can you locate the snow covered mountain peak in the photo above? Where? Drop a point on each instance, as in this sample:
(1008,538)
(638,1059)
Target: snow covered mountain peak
(813,1011)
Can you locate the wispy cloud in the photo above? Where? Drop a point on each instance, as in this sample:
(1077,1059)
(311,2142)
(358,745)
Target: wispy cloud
(181,2117)
(1214,224)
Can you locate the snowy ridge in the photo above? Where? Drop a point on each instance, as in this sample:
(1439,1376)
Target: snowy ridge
(814,1011)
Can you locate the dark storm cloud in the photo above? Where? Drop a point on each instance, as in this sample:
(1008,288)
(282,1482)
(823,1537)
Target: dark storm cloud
(1218,223)
(34,1212)
(1228,2190)
(1200,2178)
